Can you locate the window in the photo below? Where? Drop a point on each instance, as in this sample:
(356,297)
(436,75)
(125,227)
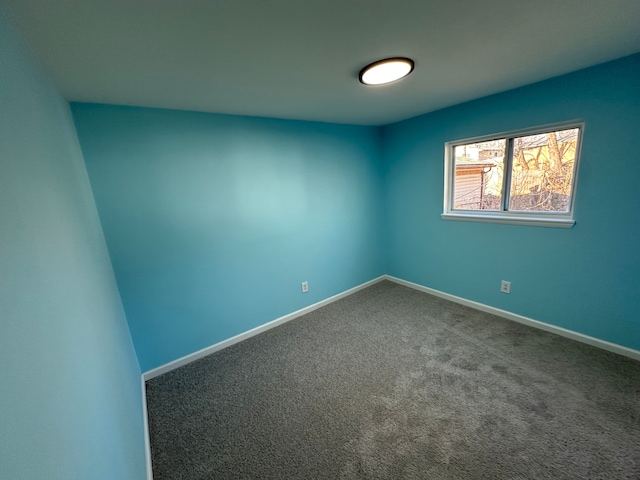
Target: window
(526,177)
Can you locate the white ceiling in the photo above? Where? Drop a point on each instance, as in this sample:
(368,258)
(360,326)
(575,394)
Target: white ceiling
(300,59)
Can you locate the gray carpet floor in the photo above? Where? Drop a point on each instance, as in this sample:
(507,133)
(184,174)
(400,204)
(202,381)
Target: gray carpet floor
(391,383)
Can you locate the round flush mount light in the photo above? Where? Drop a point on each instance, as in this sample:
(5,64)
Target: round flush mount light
(386,71)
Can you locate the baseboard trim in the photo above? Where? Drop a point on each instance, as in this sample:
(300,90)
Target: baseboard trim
(580,337)
(192,357)
(147,442)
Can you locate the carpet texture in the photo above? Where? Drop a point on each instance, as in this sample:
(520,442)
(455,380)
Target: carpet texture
(392,383)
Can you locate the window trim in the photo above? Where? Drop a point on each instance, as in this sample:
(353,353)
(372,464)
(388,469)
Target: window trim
(540,219)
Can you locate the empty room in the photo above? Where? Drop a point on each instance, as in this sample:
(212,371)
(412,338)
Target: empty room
(304,239)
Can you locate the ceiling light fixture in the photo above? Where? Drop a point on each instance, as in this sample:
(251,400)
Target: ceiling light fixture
(386,71)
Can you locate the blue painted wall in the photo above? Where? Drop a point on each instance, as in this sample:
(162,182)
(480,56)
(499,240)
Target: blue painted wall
(70,398)
(213,221)
(586,279)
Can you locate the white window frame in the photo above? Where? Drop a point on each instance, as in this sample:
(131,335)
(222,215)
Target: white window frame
(540,219)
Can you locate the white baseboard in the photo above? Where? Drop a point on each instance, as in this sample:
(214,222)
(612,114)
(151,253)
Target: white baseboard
(595,342)
(147,442)
(167,367)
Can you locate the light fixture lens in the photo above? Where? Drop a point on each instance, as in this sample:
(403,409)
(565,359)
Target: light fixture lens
(386,71)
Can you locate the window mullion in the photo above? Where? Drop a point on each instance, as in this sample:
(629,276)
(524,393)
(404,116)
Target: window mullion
(506,177)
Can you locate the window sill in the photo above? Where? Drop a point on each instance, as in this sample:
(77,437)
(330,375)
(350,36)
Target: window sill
(510,219)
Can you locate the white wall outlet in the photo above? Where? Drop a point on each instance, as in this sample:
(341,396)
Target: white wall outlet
(305,287)
(505,287)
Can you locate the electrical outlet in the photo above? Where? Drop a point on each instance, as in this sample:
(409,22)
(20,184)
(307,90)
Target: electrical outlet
(305,287)
(505,287)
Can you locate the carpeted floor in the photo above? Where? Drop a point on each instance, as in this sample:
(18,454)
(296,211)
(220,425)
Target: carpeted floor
(391,383)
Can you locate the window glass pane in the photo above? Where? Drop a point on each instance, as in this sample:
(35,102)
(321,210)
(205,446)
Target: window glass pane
(542,171)
(479,169)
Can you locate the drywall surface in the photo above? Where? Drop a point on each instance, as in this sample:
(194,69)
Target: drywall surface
(213,221)
(584,278)
(70,398)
